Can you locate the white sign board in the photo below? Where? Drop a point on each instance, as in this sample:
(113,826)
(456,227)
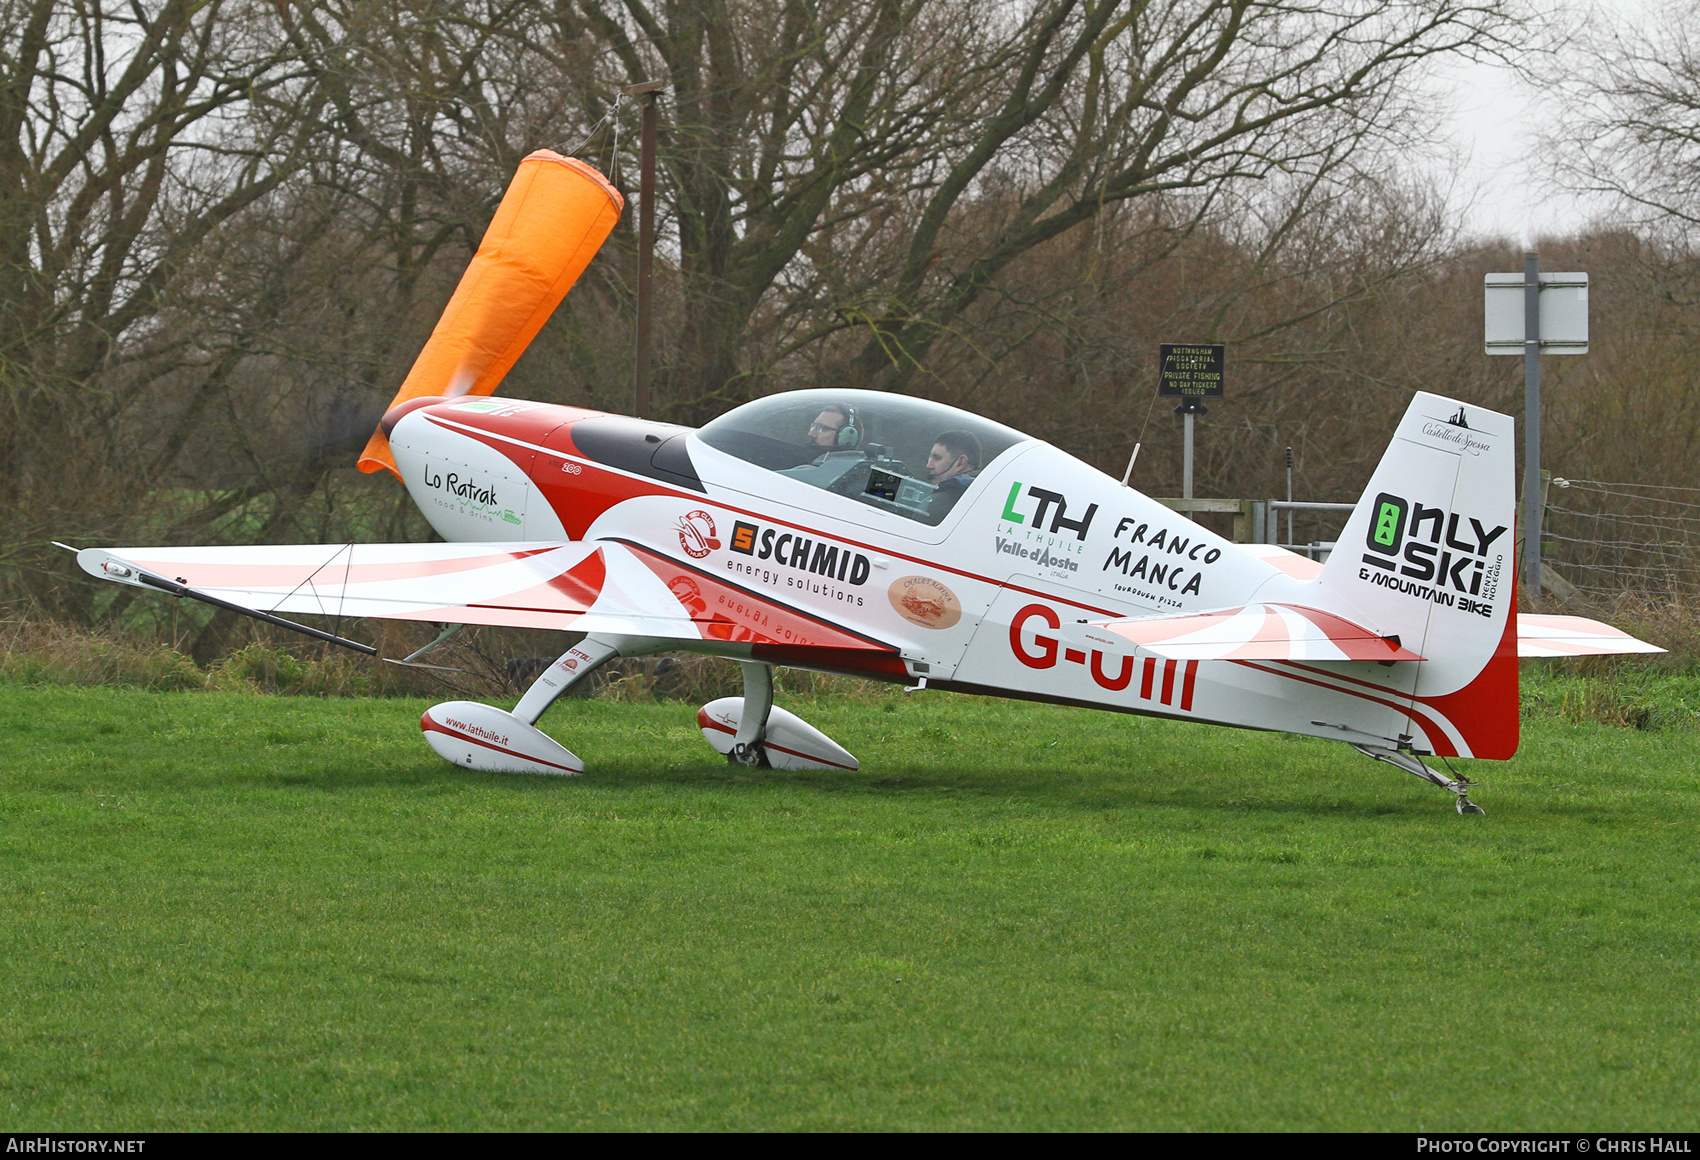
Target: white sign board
(1564,313)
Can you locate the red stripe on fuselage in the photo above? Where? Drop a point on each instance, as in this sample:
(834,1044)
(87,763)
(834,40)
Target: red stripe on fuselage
(1486,710)
(1433,729)
(577,504)
(742,615)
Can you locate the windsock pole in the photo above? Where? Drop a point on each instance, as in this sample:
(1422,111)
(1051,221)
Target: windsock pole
(646,243)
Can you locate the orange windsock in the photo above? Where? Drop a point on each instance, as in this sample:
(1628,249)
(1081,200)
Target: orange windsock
(555,216)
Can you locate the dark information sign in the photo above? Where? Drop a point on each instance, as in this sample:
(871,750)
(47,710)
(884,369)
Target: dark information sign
(1190,371)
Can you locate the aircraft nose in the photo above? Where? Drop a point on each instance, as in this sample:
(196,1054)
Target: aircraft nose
(396,413)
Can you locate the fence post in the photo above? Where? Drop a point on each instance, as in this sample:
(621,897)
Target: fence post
(1243,523)
(1547,574)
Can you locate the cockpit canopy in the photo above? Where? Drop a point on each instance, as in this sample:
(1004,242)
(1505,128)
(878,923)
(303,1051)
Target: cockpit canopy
(870,446)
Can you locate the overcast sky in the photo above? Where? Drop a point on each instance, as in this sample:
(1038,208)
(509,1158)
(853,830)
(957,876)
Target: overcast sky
(1497,191)
(1496,119)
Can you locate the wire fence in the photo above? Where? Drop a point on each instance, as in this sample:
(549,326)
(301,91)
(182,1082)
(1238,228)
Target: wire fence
(1624,539)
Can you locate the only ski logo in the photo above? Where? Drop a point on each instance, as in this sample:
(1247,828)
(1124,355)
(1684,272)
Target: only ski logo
(1424,552)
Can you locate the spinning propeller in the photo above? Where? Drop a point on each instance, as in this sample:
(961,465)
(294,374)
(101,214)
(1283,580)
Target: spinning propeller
(556,214)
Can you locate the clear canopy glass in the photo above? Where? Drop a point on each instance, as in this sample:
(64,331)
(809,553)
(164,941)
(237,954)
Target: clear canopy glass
(913,457)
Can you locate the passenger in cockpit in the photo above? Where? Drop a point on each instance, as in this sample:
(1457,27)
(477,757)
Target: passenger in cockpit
(951,467)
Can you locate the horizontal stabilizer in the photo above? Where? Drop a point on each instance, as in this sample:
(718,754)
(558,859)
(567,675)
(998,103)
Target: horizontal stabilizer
(1574,636)
(1297,566)
(1261,632)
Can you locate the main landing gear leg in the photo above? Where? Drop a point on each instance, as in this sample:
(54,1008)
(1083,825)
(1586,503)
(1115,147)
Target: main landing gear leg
(747,747)
(1413,766)
(569,669)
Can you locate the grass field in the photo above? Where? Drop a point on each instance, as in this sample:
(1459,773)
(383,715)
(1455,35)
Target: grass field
(231,911)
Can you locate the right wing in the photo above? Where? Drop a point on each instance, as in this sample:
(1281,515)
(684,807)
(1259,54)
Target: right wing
(598,587)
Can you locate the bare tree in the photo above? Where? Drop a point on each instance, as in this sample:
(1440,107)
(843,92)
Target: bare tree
(226,226)
(883,164)
(1631,130)
(130,134)
(1209,99)
(787,118)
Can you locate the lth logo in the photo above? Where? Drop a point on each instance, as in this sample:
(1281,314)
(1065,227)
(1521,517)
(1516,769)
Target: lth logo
(1047,500)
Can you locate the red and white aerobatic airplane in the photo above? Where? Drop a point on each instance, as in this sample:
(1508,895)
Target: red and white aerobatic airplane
(889,537)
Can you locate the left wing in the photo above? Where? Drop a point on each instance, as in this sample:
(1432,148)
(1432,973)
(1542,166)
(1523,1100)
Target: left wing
(593,586)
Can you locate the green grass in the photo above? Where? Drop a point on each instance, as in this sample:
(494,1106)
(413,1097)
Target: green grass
(226,911)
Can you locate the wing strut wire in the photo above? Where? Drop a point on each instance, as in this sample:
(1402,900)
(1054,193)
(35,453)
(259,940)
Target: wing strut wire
(342,597)
(176,589)
(315,572)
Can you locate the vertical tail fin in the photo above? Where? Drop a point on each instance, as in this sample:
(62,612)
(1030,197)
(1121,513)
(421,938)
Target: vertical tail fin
(1428,556)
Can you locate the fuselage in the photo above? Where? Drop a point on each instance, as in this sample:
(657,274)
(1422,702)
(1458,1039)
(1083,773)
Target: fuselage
(994,593)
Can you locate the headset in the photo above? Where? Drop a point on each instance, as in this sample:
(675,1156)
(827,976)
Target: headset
(849,435)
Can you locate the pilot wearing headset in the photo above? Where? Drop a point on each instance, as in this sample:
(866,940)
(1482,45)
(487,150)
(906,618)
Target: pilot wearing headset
(836,427)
